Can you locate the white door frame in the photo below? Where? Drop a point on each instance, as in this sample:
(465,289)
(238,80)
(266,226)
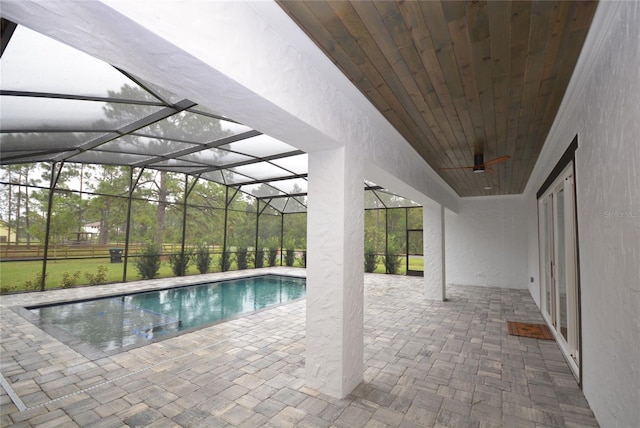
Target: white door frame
(559,265)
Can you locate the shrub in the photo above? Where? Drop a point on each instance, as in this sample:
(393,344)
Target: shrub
(98,278)
(272,256)
(4,289)
(180,262)
(289,256)
(370,260)
(148,262)
(242,257)
(202,257)
(259,258)
(33,285)
(302,260)
(391,261)
(70,280)
(225,261)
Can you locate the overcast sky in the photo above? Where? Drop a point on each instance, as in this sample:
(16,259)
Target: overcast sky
(35,63)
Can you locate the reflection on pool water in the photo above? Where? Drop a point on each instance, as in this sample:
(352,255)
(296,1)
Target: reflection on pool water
(117,322)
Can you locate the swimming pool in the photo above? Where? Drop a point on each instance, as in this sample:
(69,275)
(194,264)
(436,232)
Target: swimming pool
(116,322)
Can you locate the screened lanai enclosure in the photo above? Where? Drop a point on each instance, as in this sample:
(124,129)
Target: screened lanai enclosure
(106,177)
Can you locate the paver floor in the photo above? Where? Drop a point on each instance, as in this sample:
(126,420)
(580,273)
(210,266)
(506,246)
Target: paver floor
(427,363)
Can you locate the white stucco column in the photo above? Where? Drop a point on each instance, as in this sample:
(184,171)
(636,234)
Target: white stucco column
(335,280)
(434,253)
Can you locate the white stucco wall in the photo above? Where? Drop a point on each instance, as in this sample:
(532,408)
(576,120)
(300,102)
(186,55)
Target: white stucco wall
(605,114)
(486,242)
(435,285)
(335,284)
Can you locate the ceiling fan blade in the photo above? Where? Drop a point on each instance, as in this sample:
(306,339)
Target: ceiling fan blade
(497,160)
(457,167)
(481,166)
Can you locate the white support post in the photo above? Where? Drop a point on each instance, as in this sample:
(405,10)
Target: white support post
(434,253)
(335,279)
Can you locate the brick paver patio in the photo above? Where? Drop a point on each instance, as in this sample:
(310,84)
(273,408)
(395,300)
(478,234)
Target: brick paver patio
(443,364)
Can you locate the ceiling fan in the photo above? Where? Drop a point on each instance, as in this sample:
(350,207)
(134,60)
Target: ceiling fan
(479,165)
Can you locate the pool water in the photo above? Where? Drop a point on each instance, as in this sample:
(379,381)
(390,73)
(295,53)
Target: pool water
(116,322)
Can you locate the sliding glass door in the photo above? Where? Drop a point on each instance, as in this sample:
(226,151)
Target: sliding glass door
(558,265)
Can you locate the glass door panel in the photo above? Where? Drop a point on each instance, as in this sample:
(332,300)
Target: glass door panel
(545,240)
(558,266)
(561,266)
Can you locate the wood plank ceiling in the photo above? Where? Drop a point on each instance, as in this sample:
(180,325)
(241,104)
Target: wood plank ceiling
(458,78)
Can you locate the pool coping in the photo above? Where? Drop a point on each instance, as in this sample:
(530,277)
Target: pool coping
(135,287)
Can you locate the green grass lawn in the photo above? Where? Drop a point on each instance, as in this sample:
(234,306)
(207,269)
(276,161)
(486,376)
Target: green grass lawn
(14,275)
(414,264)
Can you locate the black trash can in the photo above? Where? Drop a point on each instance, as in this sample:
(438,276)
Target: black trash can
(116,255)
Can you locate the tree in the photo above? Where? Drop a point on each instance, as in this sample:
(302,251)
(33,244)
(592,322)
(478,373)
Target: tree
(396,230)
(85,174)
(183,126)
(18,197)
(241,222)
(270,221)
(206,212)
(158,191)
(9,174)
(110,206)
(374,230)
(64,215)
(295,223)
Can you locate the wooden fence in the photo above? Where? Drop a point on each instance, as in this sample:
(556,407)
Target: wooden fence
(23,252)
